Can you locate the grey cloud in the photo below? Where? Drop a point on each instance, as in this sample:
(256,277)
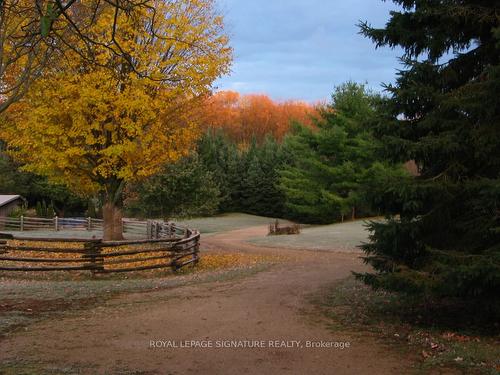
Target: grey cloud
(298,49)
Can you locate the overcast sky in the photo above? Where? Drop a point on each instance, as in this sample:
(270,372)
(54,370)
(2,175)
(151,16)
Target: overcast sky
(301,49)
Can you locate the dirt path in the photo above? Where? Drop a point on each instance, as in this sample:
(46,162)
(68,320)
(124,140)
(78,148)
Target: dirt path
(270,306)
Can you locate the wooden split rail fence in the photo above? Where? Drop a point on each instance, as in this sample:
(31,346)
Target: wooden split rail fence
(172,247)
(27,223)
(142,228)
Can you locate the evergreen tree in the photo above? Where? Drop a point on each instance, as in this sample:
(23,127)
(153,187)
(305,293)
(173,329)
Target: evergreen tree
(324,182)
(247,175)
(442,236)
(261,195)
(221,157)
(37,189)
(182,189)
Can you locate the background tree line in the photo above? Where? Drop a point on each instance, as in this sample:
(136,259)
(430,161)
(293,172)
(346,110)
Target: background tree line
(246,117)
(316,164)
(320,171)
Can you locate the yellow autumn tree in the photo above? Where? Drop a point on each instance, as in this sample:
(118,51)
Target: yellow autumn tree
(34,34)
(95,128)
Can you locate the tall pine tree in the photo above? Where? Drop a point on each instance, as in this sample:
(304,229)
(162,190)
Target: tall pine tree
(182,189)
(261,195)
(325,178)
(442,236)
(221,157)
(246,176)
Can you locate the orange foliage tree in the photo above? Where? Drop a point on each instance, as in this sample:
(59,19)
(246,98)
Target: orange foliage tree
(243,117)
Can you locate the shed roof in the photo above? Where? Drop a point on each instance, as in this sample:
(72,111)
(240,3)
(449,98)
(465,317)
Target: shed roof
(4,199)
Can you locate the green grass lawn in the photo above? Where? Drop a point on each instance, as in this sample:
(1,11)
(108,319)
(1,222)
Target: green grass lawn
(226,222)
(343,236)
(206,225)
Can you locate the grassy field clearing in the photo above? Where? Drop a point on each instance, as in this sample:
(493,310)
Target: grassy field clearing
(226,222)
(343,236)
(206,225)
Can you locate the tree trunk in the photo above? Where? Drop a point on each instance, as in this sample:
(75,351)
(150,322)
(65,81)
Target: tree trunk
(353,213)
(112,215)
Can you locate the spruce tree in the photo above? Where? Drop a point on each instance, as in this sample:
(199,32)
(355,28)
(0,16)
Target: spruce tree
(247,175)
(182,189)
(325,178)
(220,156)
(442,235)
(261,195)
(272,159)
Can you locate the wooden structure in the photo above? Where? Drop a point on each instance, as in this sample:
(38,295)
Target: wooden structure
(8,203)
(174,247)
(276,228)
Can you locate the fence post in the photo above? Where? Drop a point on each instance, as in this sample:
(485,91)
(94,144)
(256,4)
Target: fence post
(157,230)
(93,252)
(196,256)
(89,223)
(173,264)
(21,223)
(56,223)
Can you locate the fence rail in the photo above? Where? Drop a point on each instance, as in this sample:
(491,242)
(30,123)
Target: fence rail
(135,227)
(170,246)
